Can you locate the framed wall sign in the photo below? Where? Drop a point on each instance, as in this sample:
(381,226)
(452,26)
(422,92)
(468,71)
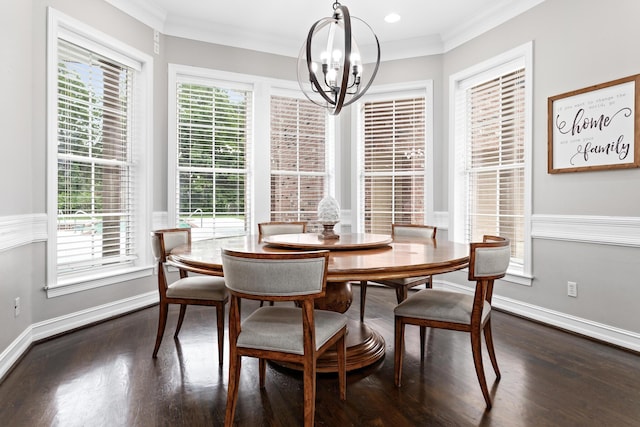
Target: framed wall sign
(595,128)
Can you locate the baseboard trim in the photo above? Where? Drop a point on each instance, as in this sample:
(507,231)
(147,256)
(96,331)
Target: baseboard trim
(594,330)
(68,322)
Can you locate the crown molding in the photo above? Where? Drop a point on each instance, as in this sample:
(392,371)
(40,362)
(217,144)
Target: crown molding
(484,22)
(228,35)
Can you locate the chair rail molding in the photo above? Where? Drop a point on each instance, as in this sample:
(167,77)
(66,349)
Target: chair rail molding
(604,230)
(20,230)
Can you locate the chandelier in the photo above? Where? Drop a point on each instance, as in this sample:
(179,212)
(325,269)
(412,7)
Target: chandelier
(330,70)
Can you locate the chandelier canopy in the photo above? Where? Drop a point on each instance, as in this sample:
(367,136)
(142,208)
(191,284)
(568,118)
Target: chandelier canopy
(330,69)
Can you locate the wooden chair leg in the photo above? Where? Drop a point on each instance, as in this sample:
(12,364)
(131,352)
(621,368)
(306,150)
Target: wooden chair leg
(235,363)
(162,323)
(183,310)
(341,351)
(262,371)
(398,350)
(309,379)
(423,335)
(476,349)
(220,324)
(488,338)
(401,293)
(363,298)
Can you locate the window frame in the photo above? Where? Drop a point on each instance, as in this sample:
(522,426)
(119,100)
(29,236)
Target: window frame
(259,170)
(521,56)
(422,88)
(291,91)
(65,27)
(192,75)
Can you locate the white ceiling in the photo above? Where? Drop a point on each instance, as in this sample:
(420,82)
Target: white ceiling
(280,26)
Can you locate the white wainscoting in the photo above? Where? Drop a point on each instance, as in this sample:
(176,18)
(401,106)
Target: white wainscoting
(69,322)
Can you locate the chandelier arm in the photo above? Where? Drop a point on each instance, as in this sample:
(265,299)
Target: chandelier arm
(314,80)
(373,74)
(346,65)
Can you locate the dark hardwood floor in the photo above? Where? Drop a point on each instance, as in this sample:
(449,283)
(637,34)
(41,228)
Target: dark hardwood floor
(104,376)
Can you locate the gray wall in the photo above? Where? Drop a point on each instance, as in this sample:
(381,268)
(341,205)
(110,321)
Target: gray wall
(577,43)
(16,266)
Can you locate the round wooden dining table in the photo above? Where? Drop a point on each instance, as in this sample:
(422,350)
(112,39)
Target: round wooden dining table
(353,257)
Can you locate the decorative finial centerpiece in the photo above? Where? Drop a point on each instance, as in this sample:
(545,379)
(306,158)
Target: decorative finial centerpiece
(328,216)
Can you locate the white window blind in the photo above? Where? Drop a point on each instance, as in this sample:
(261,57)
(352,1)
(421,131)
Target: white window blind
(213,142)
(393,181)
(298,159)
(95,213)
(494,158)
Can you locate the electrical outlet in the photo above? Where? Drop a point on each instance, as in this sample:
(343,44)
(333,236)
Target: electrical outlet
(16,307)
(572,289)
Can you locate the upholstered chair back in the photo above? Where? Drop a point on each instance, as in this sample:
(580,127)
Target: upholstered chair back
(426,231)
(489,259)
(256,275)
(271,228)
(163,241)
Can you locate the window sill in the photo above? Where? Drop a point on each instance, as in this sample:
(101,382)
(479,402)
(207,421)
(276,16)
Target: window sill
(514,276)
(79,284)
(518,277)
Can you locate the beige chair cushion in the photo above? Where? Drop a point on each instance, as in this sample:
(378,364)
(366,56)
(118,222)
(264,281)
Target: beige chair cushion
(445,306)
(280,329)
(198,287)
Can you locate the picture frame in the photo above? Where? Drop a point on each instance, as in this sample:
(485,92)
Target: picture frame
(595,128)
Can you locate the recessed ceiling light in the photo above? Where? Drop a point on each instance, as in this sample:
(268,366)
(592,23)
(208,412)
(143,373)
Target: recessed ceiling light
(392,18)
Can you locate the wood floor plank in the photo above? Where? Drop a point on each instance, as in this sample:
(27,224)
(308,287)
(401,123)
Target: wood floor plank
(104,376)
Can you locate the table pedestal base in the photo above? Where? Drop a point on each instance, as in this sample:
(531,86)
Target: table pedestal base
(365,346)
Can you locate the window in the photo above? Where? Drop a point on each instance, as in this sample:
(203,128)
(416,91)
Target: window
(491,137)
(97,131)
(243,149)
(213,131)
(299,154)
(392,159)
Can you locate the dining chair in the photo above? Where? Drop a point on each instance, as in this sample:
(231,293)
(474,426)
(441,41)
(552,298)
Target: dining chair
(281,227)
(271,228)
(293,335)
(458,311)
(187,290)
(403,285)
